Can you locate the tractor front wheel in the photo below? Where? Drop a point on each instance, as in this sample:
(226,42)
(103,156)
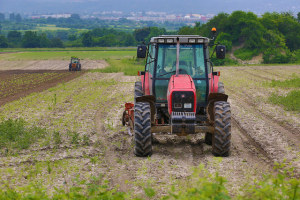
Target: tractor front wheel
(222,135)
(142,129)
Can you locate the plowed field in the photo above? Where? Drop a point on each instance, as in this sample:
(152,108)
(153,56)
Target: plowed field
(93,143)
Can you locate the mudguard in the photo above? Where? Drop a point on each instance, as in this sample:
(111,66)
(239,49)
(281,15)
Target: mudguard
(212,98)
(151,100)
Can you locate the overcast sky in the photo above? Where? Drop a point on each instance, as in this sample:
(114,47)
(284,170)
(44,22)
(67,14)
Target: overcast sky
(177,6)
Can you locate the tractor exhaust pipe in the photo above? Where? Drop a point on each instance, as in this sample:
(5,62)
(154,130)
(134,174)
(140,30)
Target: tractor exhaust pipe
(177,57)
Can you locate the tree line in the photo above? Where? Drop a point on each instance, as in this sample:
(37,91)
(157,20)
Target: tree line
(30,39)
(274,35)
(98,37)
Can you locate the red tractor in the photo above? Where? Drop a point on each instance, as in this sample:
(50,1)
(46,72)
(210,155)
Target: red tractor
(179,93)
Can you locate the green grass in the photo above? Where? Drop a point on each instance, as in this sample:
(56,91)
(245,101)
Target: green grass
(245,54)
(50,27)
(291,101)
(200,185)
(15,134)
(68,49)
(290,83)
(130,66)
(66,55)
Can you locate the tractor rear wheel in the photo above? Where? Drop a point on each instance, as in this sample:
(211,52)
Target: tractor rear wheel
(138,89)
(222,135)
(142,129)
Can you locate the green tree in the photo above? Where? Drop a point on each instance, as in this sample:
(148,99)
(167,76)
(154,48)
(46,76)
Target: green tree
(129,40)
(3,42)
(30,40)
(224,39)
(56,42)
(44,41)
(87,39)
(14,38)
(72,37)
(298,15)
(141,34)
(155,31)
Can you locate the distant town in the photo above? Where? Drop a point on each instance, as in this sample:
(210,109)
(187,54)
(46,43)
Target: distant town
(135,16)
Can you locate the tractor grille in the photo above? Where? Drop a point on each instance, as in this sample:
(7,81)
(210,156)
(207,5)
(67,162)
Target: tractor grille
(183,101)
(183,122)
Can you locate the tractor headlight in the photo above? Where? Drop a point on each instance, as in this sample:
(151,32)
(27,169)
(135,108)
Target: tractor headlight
(161,40)
(187,105)
(170,40)
(201,40)
(192,40)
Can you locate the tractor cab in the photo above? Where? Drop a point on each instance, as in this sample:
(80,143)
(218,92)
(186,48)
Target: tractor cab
(161,65)
(179,93)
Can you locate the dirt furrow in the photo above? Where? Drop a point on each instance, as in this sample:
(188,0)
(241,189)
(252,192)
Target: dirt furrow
(251,140)
(257,75)
(293,133)
(268,136)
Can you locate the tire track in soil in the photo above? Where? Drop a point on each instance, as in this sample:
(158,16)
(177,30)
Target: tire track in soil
(277,141)
(258,76)
(282,126)
(116,179)
(269,71)
(257,146)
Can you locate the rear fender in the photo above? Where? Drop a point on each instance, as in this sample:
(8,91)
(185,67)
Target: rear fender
(151,100)
(145,83)
(213,83)
(212,98)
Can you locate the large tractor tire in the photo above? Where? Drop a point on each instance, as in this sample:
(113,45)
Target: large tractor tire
(138,89)
(142,129)
(208,136)
(222,135)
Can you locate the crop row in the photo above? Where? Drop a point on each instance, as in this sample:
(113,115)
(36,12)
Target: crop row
(15,83)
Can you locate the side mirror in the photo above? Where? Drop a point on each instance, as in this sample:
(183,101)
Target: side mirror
(141,51)
(220,51)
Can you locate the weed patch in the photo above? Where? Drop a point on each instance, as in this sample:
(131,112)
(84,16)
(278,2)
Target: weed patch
(290,83)
(200,185)
(130,66)
(290,102)
(16,134)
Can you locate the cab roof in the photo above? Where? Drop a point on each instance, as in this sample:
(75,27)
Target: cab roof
(185,39)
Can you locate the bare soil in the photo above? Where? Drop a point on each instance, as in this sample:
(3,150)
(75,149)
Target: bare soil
(261,135)
(49,64)
(19,83)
